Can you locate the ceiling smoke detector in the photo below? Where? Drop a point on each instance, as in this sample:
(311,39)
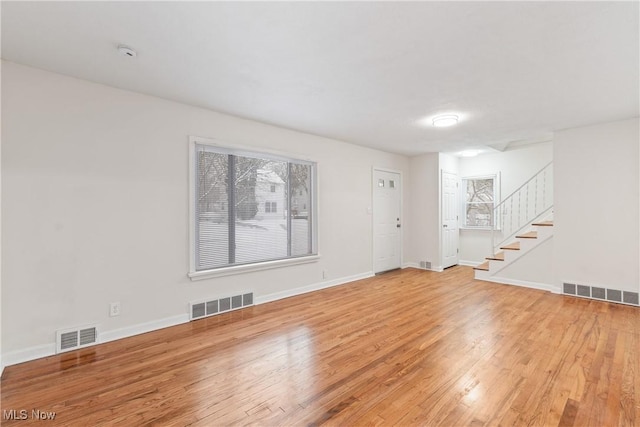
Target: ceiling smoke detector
(127,51)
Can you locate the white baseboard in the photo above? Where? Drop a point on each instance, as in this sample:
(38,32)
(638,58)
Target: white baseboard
(437,269)
(310,288)
(525,284)
(27,354)
(411,265)
(45,350)
(469,263)
(143,328)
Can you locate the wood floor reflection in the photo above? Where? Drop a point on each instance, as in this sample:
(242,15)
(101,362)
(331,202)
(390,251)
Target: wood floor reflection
(408,347)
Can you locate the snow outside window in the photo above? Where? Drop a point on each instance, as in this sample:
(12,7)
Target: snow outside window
(237,196)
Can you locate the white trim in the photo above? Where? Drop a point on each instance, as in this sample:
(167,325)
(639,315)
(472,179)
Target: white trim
(192,204)
(416,265)
(27,354)
(469,263)
(525,284)
(223,144)
(143,328)
(373,237)
(259,266)
(310,288)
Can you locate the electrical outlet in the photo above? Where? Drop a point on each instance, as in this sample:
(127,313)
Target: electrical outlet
(114,309)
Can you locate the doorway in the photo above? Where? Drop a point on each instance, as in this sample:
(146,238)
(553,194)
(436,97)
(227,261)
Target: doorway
(387,226)
(449,214)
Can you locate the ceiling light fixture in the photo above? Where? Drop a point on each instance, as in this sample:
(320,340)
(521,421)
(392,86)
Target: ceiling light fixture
(470,153)
(445,120)
(127,51)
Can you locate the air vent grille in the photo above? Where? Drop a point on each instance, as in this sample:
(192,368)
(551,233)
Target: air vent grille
(425,265)
(603,294)
(73,339)
(202,309)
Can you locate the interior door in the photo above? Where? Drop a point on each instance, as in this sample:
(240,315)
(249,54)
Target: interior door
(449,213)
(386,221)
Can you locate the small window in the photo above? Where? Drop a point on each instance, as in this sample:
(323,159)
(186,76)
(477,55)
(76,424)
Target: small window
(274,207)
(392,184)
(267,207)
(381,183)
(273,188)
(479,200)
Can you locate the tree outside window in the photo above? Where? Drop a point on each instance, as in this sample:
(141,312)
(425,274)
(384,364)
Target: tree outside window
(479,202)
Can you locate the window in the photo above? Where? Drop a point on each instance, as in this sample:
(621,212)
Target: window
(479,200)
(229,229)
(270,207)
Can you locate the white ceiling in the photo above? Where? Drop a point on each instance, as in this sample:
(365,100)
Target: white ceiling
(362,72)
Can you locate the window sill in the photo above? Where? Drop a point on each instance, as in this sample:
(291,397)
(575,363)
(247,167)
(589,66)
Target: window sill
(239,269)
(477,228)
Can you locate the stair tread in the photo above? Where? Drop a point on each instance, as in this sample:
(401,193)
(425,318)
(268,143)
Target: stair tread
(544,224)
(497,257)
(528,235)
(484,266)
(515,246)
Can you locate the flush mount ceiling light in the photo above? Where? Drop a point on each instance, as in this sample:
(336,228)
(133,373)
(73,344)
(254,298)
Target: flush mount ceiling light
(470,153)
(445,120)
(127,51)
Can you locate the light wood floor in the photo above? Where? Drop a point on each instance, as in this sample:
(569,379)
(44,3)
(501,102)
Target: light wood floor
(405,348)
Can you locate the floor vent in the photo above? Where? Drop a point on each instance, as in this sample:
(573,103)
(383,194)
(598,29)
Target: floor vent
(198,310)
(425,265)
(73,339)
(594,292)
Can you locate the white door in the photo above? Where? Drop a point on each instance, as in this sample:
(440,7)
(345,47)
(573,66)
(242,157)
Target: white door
(450,210)
(386,221)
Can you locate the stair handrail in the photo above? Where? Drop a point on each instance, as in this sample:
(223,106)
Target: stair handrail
(498,220)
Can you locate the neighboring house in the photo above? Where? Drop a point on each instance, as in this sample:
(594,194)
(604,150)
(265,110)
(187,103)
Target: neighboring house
(270,194)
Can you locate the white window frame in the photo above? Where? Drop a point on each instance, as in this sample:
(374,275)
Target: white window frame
(463,201)
(194,274)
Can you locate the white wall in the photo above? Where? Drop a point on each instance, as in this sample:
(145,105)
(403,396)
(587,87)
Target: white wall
(423,244)
(596,211)
(534,269)
(425,216)
(94,188)
(1,333)
(515,167)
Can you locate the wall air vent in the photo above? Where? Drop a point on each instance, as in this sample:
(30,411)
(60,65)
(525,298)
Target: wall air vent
(201,309)
(75,338)
(603,294)
(426,265)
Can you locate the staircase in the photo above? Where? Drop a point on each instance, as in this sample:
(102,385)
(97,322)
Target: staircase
(520,223)
(506,254)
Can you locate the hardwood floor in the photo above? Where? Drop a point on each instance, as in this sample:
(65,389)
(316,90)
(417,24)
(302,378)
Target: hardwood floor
(408,347)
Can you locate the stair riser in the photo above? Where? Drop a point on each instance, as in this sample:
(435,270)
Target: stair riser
(526,245)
